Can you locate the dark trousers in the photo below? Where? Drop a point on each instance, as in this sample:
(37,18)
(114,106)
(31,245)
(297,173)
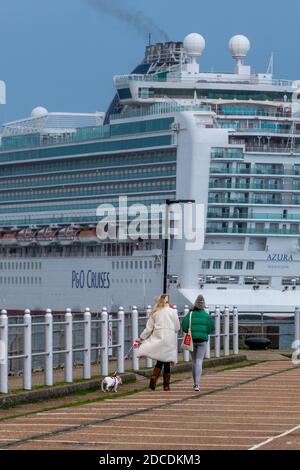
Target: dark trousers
(164,365)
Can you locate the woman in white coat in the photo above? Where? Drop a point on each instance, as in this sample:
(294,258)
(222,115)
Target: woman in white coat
(158,341)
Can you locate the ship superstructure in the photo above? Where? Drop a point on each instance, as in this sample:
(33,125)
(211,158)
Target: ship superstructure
(228,141)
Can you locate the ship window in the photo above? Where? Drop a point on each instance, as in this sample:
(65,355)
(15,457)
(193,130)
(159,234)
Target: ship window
(291,281)
(136,265)
(250,265)
(239,265)
(113,265)
(141,264)
(206,264)
(150,264)
(228,265)
(217,265)
(145,265)
(131,264)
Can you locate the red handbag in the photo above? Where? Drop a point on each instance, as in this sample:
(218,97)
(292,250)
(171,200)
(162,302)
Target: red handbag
(187,342)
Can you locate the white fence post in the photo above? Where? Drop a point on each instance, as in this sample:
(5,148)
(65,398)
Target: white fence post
(226,331)
(49,348)
(135,335)
(3,352)
(176,311)
(110,335)
(121,341)
(208,347)
(149,362)
(235,331)
(186,354)
(69,346)
(27,373)
(87,344)
(104,342)
(297,324)
(217,332)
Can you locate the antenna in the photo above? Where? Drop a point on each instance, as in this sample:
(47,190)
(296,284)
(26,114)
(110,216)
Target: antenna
(150,39)
(271,64)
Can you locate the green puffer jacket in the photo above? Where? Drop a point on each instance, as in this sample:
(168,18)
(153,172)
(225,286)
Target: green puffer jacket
(202,325)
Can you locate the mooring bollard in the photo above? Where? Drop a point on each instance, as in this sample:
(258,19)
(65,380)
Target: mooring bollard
(135,335)
(4,352)
(27,373)
(104,342)
(217,331)
(49,348)
(69,346)
(87,374)
(149,362)
(121,340)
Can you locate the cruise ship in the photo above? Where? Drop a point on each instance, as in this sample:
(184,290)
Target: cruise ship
(227,141)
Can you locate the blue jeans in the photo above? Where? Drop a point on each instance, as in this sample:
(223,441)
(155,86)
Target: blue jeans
(198,356)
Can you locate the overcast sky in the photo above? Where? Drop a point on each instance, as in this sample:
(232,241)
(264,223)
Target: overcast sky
(62,54)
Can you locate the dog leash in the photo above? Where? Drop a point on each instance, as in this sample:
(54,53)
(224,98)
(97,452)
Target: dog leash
(126,356)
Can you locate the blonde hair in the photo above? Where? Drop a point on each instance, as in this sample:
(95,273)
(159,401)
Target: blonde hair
(160,302)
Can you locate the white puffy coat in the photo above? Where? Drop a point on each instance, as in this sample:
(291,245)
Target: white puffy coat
(160,336)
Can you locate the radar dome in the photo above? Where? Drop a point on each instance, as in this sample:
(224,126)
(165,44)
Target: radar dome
(239,46)
(39,112)
(194,45)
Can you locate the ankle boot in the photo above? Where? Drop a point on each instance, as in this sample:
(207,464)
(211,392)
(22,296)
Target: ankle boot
(154,377)
(167,378)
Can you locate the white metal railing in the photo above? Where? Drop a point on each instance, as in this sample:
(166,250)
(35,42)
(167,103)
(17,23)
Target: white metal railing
(226,328)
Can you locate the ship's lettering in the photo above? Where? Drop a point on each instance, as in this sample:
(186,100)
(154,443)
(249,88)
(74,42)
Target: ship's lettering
(98,280)
(280,257)
(91,280)
(78,279)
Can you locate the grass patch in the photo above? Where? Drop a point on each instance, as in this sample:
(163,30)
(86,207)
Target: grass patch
(76,393)
(73,404)
(239,365)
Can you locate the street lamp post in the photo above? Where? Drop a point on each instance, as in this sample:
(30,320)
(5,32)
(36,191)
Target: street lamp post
(169,202)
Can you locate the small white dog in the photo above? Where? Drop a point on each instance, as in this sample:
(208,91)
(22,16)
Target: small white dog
(110,384)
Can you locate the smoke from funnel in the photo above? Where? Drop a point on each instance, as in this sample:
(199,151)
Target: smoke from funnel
(135,19)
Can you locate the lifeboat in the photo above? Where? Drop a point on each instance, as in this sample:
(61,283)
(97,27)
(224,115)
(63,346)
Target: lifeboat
(88,236)
(67,235)
(46,236)
(26,237)
(9,238)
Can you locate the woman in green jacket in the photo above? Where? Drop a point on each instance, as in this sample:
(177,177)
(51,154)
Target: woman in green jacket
(202,326)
